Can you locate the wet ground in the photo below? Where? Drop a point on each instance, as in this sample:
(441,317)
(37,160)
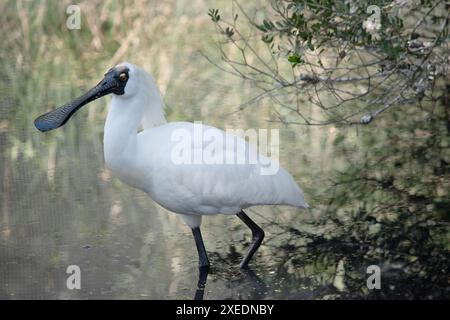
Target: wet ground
(129,248)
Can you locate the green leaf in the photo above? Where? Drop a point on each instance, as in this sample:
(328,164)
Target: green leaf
(267,38)
(295,59)
(214,14)
(229,32)
(267,25)
(393,51)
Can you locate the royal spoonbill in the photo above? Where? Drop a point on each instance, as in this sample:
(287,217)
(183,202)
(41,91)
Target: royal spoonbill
(145,159)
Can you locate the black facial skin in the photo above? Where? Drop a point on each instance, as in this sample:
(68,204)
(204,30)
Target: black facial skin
(114,81)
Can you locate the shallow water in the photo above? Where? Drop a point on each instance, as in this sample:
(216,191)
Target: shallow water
(60,206)
(75,212)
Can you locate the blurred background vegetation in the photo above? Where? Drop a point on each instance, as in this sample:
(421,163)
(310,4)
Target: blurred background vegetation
(379,194)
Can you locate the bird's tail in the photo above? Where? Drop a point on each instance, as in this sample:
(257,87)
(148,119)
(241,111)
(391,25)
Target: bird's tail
(293,194)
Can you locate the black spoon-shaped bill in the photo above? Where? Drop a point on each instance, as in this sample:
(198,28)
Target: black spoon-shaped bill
(58,117)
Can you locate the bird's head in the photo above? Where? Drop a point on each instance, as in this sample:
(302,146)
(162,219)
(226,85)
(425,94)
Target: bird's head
(121,81)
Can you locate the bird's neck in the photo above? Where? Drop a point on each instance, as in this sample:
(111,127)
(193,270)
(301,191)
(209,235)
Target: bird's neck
(126,116)
(121,128)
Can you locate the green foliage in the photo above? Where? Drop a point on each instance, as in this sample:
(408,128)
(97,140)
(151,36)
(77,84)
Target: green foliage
(295,59)
(229,32)
(302,24)
(316,24)
(214,14)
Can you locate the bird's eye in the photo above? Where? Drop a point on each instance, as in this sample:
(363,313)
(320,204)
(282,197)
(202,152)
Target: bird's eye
(123,76)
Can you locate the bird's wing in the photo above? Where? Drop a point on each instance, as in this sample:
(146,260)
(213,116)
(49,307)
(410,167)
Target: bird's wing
(206,172)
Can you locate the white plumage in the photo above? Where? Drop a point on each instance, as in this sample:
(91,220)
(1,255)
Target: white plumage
(145,160)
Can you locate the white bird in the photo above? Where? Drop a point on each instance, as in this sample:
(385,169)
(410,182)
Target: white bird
(147,159)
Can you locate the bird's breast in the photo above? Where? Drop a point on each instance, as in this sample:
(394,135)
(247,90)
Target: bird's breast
(125,166)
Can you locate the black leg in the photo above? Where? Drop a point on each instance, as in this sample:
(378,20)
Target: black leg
(202,277)
(203,262)
(257,234)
